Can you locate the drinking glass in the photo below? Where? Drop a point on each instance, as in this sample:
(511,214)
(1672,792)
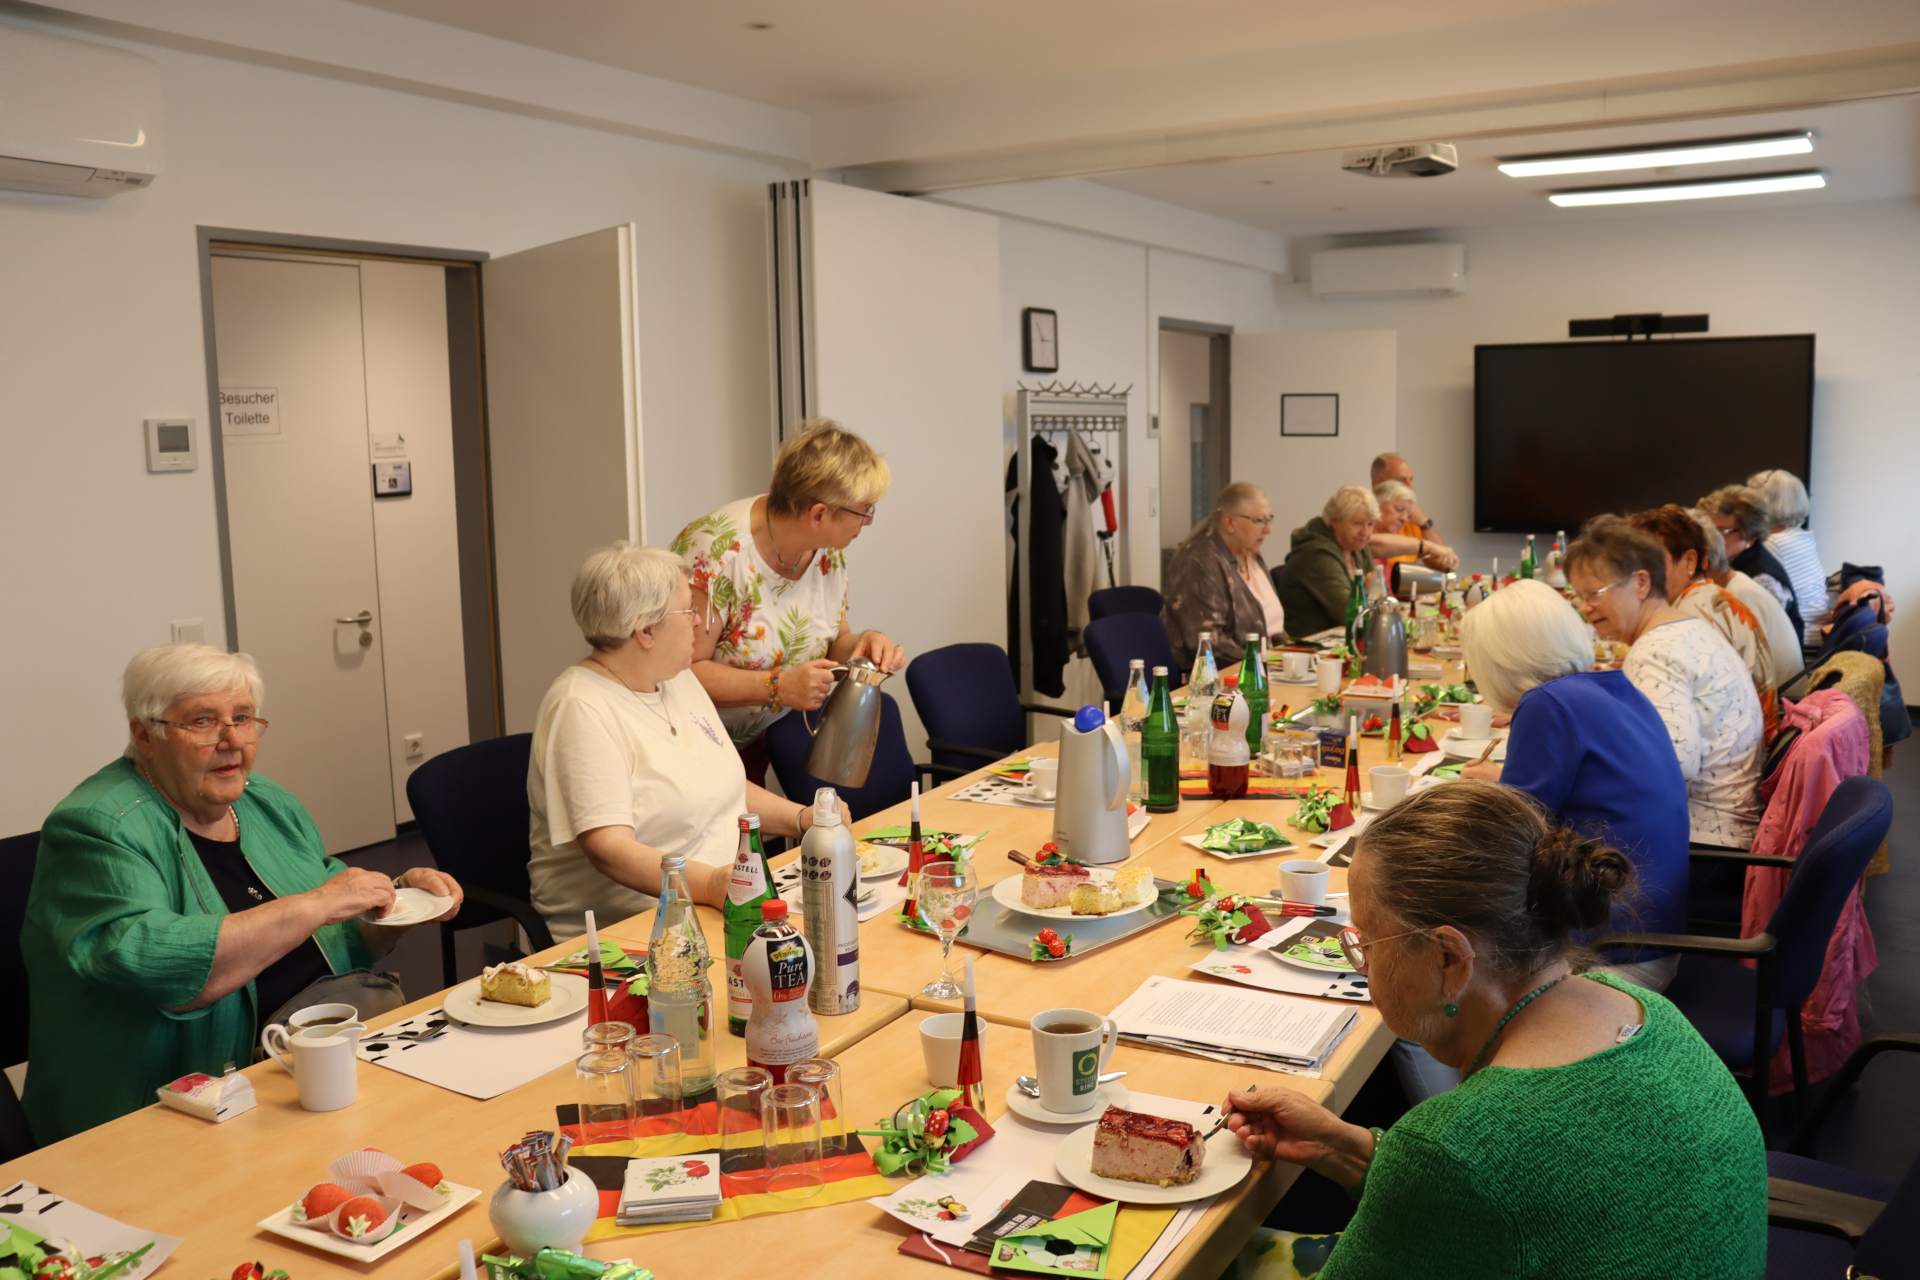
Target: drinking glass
(604,1080)
(790,1115)
(835,1134)
(616,1036)
(742,1097)
(657,1104)
(945,897)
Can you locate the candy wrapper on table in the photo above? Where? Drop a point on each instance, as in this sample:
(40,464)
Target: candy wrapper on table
(214,1098)
(931,1132)
(559,1264)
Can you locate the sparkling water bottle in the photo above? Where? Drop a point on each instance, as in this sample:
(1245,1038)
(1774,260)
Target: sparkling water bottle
(679,993)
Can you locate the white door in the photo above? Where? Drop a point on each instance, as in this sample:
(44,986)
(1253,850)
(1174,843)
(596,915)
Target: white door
(300,520)
(563,441)
(1336,390)
(907,351)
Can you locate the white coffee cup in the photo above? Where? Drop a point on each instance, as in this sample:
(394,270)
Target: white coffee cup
(1304,880)
(1476,720)
(1389,785)
(1043,776)
(1329,669)
(1297,667)
(1069,1062)
(324,1062)
(940,1046)
(343,1018)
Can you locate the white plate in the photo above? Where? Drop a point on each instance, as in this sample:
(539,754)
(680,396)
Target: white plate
(892,862)
(463,1004)
(1195,841)
(1028,798)
(1456,747)
(411,906)
(413,1225)
(1226,1164)
(1107,1095)
(1007,894)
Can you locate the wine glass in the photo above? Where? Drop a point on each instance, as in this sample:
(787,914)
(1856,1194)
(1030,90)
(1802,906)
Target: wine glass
(945,900)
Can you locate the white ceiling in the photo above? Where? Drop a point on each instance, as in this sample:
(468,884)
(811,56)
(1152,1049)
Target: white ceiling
(1869,150)
(822,55)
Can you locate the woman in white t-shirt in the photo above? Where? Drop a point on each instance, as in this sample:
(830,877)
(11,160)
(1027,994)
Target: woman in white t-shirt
(630,759)
(1699,685)
(774,570)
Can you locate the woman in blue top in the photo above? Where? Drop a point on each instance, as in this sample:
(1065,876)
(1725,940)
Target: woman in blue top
(1590,747)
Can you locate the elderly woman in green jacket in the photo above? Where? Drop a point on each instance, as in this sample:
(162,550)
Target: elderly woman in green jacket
(1325,553)
(179,900)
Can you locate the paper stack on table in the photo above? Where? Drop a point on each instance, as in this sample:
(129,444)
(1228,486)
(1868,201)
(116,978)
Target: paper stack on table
(682,1188)
(1255,1028)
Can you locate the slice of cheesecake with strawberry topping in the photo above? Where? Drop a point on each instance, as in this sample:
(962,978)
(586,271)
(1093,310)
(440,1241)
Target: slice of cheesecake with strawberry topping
(1050,879)
(1135,1147)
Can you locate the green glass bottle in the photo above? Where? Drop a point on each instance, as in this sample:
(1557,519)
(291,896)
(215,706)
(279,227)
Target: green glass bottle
(1253,687)
(748,885)
(1529,566)
(1160,748)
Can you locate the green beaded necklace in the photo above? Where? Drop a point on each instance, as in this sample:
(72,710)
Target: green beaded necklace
(1522,1003)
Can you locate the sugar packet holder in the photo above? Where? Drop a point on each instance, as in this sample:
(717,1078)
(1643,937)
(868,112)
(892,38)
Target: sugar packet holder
(214,1098)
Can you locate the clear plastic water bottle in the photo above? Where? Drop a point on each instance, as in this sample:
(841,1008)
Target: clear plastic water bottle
(1202,685)
(679,992)
(1133,714)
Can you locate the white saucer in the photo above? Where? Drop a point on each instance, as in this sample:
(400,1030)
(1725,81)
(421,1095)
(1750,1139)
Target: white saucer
(1028,798)
(1107,1095)
(411,906)
(1227,1162)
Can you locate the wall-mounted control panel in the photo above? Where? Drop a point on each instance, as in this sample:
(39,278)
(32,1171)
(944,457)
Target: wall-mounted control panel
(172,444)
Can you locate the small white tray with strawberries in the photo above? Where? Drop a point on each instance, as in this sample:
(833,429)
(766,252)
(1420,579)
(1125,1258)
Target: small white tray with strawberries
(369,1206)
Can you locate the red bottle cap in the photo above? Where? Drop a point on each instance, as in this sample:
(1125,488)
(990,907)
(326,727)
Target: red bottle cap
(773,909)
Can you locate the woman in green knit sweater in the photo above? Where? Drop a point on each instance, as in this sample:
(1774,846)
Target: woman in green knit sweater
(1594,1134)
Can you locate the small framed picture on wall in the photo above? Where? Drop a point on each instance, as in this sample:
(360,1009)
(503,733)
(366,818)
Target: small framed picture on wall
(1309,415)
(1040,340)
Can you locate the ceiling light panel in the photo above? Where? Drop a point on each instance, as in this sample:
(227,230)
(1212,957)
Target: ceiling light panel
(1754,184)
(1708,151)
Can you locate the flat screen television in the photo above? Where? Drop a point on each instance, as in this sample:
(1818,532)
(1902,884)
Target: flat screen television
(1563,431)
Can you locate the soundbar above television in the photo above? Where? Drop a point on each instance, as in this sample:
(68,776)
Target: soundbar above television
(1563,431)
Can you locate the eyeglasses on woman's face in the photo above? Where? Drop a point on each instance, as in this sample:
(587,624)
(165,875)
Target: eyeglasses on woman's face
(705,616)
(205,731)
(1591,599)
(1264,522)
(864,517)
(1354,947)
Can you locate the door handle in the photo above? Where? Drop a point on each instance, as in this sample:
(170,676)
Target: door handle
(364,617)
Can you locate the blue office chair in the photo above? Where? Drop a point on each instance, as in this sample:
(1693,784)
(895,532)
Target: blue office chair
(1742,1012)
(471,804)
(1114,642)
(1111,600)
(18,854)
(1823,1219)
(889,778)
(965,696)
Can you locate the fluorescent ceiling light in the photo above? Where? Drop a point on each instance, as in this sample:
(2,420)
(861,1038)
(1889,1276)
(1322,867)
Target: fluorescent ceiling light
(1692,189)
(1710,151)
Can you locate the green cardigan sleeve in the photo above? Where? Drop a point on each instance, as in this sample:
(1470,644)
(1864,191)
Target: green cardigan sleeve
(1423,1213)
(109,912)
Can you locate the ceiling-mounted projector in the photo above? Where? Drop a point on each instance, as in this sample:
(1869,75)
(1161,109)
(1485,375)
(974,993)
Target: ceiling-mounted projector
(1408,160)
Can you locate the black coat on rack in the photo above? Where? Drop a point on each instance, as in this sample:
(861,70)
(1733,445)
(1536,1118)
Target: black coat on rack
(1043,562)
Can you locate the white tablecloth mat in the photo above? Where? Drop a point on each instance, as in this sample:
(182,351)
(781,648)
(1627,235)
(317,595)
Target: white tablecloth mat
(481,1062)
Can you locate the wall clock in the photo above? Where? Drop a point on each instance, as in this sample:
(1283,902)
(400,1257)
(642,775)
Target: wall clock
(1040,340)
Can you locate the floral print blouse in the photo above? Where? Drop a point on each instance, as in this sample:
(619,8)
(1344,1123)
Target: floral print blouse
(1705,697)
(1738,625)
(766,621)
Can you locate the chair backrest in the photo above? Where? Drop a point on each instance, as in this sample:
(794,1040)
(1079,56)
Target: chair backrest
(1114,642)
(471,804)
(18,854)
(1111,600)
(889,778)
(965,694)
(1851,826)
(1890,1247)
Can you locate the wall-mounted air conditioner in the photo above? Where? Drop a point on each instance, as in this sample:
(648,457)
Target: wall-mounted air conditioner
(1430,269)
(76,118)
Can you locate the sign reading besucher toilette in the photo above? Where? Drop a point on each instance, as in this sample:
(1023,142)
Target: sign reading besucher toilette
(249,411)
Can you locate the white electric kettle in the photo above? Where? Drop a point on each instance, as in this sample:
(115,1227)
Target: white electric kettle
(1090,812)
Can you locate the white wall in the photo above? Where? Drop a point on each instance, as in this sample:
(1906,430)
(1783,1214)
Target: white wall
(1849,273)
(100,326)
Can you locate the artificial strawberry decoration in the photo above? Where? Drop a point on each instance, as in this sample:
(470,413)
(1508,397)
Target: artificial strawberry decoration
(1056,948)
(1342,816)
(1048,945)
(249,1271)
(936,1125)
(1047,936)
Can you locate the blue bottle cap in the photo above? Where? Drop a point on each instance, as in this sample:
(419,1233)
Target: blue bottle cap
(1088,719)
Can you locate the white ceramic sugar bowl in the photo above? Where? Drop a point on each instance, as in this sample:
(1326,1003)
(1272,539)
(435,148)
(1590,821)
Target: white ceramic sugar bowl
(529,1221)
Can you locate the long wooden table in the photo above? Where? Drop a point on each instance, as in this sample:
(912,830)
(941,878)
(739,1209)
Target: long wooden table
(166,1171)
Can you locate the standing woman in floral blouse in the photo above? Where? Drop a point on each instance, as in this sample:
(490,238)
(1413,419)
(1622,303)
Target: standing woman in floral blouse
(770,585)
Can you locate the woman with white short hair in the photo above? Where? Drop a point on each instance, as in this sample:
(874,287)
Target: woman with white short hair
(1587,745)
(1325,553)
(181,901)
(1792,543)
(631,761)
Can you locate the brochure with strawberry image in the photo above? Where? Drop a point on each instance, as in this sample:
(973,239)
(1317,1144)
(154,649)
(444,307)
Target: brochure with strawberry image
(679,1188)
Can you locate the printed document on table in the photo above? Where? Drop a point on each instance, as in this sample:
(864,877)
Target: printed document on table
(1254,1025)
